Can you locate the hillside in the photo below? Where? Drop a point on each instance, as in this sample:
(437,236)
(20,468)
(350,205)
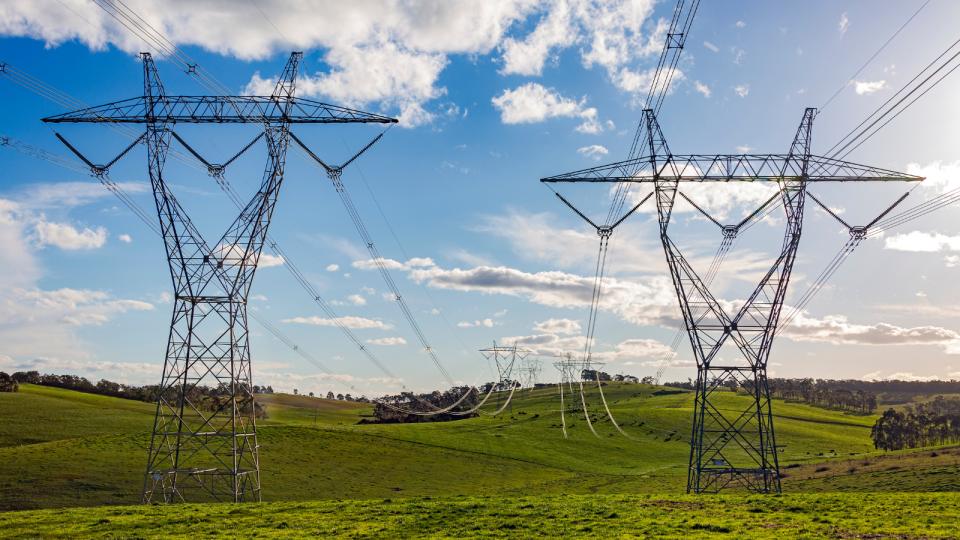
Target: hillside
(901,515)
(84,450)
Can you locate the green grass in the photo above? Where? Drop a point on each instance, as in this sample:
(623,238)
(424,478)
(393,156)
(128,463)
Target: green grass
(554,516)
(85,450)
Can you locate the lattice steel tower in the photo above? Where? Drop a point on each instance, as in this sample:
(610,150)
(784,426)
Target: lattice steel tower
(204,444)
(733,443)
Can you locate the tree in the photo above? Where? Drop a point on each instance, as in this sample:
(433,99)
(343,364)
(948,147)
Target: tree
(348,397)
(311,394)
(7,384)
(340,397)
(269,389)
(294,391)
(646,380)
(330,395)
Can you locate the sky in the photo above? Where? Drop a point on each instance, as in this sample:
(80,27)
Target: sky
(490,96)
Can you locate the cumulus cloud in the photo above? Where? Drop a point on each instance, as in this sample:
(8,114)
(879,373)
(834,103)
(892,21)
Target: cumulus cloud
(869,87)
(64,236)
(702,88)
(267,260)
(486,322)
(558,326)
(532,103)
(124,238)
(557,29)
(594,151)
(922,241)
(940,177)
(349,322)
(836,329)
(125,372)
(742,90)
(387,341)
(333,267)
(379,52)
(650,301)
(636,348)
(543,342)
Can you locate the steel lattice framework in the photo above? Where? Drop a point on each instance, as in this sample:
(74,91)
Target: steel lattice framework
(732,446)
(204,444)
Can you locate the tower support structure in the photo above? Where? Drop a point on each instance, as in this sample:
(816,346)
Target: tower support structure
(204,445)
(733,442)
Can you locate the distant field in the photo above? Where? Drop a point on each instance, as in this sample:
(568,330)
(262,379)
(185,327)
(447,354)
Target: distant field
(84,450)
(900,515)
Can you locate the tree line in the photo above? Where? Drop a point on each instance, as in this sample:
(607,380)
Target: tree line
(897,431)
(824,392)
(385,410)
(206,398)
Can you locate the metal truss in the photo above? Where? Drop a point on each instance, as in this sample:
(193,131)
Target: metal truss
(505,358)
(220,110)
(204,445)
(733,442)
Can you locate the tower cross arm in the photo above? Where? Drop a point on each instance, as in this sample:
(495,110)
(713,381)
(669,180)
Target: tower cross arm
(221,110)
(731,168)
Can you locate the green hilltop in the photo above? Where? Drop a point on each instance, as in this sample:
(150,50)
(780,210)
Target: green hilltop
(62,449)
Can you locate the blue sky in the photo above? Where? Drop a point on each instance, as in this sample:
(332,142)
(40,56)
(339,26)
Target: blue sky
(491,96)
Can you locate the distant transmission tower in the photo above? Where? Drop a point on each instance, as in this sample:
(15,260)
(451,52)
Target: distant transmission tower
(506,359)
(733,443)
(204,444)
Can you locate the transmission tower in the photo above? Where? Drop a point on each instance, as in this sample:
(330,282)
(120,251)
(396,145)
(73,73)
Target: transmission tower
(204,444)
(732,446)
(505,358)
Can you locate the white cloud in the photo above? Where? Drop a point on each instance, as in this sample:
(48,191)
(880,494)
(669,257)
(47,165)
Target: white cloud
(387,341)
(486,322)
(702,88)
(636,348)
(639,83)
(125,372)
(836,329)
(357,300)
(267,260)
(380,51)
(651,301)
(952,260)
(741,24)
(64,236)
(532,103)
(869,87)
(710,46)
(844,25)
(901,376)
(558,326)
(939,177)
(349,322)
(124,238)
(594,151)
(371,264)
(333,268)
(921,241)
(543,342)
(528,56)
(258,297)
(742,90)
(743,149)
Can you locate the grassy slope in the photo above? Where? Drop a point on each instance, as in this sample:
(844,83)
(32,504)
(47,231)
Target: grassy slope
(519,453)
(601,516)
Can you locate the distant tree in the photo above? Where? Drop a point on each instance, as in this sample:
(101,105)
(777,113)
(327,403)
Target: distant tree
(340,397)
(311,394)
(646,380)
(269,389)
(294,391)
(7,384)
(330,395)
(348,397)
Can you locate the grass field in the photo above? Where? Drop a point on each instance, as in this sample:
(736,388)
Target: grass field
(901,515)
(61,449)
